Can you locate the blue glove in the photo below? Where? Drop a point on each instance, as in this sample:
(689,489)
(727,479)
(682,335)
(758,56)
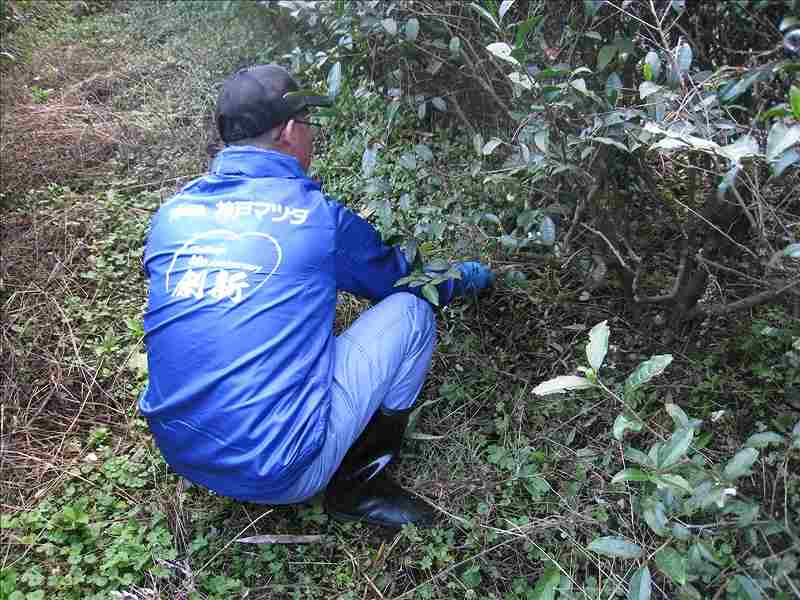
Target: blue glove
(475,277)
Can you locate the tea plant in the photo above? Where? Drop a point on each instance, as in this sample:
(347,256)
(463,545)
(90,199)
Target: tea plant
(693,505)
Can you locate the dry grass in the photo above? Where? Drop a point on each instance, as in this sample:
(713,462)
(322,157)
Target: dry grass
(66,135)
(59,126)
(48,389)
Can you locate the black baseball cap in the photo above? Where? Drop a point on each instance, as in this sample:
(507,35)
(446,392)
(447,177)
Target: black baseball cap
(256,99)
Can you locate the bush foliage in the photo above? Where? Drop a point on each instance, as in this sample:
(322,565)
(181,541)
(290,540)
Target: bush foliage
(673,158)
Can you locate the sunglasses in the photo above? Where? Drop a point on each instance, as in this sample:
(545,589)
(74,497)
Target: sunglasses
(305,121)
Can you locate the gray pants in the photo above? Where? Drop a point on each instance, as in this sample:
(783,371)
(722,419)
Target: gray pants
(381,360)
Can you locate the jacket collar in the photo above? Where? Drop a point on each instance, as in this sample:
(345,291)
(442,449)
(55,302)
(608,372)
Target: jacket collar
(251,161)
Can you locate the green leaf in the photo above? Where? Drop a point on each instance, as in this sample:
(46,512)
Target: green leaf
(439,103)
(552,73)
(794,101)
(652,66)
(749,587)
(485,14)
(369,160)
(613,87)
(504,6)
(412,30)
(431,294)
(605,56)
(502,51)
(648,88)
(521,80)
(611,142)
(740,464)
(707,493)
(523,29)
(408,161)
(390,26)
(615,547)
(762,440)
(622,424)
(630,475)
(472,577)
(650,368)
(680,532)
(684,57)
(747,512)
(477,143)
(391,112)
(546,585)
(673,564)
(655,516)
(490,146)
(561,384)
(786,160)
(640,586)
(780,111)
(579,85)
(781,138)
(437,265)
(743,147)
(675,449)
(542,140)
(792,251)
(639,457)
(680,418)
(735,89)
(590,7)
(673,482)
(335,80)
(455,46)
(597,347)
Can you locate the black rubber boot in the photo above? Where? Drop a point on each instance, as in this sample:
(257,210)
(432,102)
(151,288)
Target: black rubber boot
(361,490)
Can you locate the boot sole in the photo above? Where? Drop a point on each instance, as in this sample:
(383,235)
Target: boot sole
(344,517)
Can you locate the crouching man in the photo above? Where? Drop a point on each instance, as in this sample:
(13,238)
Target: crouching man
(250,393)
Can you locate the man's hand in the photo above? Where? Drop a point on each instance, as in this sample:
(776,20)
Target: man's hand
(475,277)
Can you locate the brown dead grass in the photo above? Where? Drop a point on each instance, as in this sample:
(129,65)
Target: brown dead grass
(49,392)
(71,137)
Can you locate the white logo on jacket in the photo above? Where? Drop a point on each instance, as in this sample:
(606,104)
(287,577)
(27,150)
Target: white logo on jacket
(229,278)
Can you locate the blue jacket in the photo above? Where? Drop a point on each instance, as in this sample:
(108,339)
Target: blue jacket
(243,268)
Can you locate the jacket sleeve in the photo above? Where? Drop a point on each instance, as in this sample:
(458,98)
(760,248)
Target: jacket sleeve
(367,267)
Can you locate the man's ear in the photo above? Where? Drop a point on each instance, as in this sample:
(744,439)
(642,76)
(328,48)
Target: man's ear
(288,132)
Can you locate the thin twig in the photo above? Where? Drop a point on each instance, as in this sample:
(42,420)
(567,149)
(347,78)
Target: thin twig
(743,304)
(610,245)
(576,217)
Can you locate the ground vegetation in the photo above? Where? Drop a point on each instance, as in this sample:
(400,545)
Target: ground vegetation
(618,419)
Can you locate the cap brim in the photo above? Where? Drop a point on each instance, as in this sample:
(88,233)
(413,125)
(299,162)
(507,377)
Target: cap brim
(300,99)
(318,100)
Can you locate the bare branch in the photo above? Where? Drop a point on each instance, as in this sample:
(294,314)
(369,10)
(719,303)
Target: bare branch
(582,203)
(749,302)
(701,259)
(621,260)
(460,112)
